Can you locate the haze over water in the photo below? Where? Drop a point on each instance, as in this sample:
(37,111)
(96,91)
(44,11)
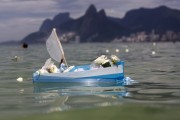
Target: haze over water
(155,68)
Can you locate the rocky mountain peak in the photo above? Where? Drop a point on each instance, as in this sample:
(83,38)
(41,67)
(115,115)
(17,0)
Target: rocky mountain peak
(102,13)
(91,11)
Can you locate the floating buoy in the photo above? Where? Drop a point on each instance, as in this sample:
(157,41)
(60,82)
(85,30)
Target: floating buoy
(107,51)
(20,79)
(153,52)
(154,44)
(127,50)
(16,58)
(117,50)
(25,45)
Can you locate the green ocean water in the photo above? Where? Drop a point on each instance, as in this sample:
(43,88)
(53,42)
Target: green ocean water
(156,91)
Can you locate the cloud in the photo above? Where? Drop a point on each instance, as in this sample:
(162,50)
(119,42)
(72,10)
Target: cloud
(21,17)
(19,28)
(27,8)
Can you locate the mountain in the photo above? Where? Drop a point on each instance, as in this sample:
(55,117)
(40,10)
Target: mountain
(45,29)
(35,37)
(93,26)
(10,42)
(96,26)
(48,24)
(159,19)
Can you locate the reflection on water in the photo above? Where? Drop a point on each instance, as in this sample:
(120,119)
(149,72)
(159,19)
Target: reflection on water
(155,92)
(64,96)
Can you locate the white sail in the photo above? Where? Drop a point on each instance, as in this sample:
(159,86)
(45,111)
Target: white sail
(54,47)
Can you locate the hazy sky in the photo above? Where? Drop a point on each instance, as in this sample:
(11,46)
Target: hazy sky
(18,18)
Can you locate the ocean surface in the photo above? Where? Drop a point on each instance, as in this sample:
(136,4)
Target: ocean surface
(155,69)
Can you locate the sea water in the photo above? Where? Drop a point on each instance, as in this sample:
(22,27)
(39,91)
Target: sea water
(153,72)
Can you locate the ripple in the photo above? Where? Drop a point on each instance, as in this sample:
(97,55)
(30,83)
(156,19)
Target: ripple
(176,94)
(159,74)
(156,91)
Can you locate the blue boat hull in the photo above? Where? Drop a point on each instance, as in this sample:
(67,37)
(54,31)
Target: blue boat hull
(109,74)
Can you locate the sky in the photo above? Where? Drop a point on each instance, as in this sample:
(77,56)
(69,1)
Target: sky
(18,18)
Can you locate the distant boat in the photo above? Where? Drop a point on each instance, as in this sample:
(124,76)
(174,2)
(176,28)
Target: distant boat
(83,73)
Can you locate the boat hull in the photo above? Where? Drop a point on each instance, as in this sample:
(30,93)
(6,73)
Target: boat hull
(108,74)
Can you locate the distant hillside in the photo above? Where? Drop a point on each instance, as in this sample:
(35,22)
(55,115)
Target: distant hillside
(59,19)
(10,42)
(160,19)
(93,26)
(96,26)
(45,29)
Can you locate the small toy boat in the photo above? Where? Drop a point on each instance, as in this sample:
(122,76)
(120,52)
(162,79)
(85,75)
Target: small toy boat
(85,73)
